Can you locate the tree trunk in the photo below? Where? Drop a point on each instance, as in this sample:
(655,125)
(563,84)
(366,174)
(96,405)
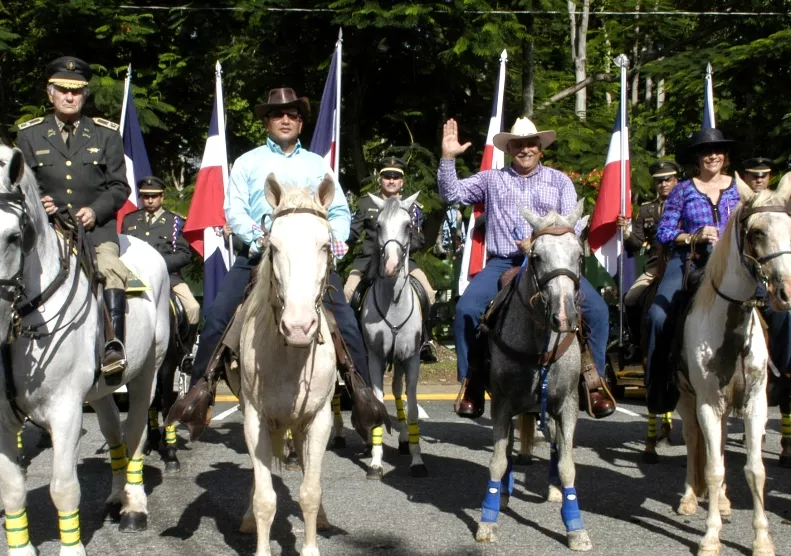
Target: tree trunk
(660,100)
(579,52)
(528,69)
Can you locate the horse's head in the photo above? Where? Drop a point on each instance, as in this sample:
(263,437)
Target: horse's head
(299,255)
(393,230)
(764,236)
(555,264)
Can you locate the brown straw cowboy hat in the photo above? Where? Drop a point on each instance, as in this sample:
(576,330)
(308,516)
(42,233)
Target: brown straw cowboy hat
(283,98)
(522,129)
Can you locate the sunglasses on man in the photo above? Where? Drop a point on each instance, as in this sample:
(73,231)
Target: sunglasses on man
(663,179)
(292,115)
(391,176)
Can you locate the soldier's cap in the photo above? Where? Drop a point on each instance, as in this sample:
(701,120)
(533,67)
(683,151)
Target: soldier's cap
(757,165)
(663,169)
(68,72)
(150,185)
(392,167)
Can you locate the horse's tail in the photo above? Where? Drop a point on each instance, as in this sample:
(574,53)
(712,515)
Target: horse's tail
(701,487)
(527,433)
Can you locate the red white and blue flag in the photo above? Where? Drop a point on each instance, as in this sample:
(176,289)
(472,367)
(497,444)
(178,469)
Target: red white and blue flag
(474,255)
(614,199)
(135,156)
(708,101)
(327,134)
(206,218)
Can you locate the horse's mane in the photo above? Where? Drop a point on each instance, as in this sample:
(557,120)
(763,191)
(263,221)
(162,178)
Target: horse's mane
(718,261)
(29,187)
(293,198)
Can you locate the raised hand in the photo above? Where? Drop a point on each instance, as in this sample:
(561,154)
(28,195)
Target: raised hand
(451,148)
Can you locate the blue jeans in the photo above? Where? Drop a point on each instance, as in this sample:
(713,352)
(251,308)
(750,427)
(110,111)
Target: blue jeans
(482,289)
(231,295)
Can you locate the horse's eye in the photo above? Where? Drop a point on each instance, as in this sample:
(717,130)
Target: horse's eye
(757,234)
(14,238)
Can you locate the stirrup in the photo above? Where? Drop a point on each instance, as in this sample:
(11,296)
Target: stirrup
(115,366)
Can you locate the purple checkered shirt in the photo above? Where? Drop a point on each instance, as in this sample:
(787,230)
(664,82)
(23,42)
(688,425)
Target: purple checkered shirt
(504,194)
(687,210)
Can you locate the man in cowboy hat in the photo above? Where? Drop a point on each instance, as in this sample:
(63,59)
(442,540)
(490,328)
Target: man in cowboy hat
(79,166)
(642,235)
(526,183)
(162,229)
(757,172)
(245,208)
(391,182)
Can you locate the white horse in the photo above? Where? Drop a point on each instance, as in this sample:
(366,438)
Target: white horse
(287,358)
(725,356)
(51,359)
(391,326)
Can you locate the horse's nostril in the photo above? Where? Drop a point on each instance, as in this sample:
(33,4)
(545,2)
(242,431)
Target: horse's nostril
(556,321)
(783,294)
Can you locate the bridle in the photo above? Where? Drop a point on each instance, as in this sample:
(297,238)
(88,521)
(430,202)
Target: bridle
(403,249)
(13,289)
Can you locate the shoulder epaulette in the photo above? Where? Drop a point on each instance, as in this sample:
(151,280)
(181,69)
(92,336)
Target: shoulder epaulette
(30,123)
(106,123)
(419,205)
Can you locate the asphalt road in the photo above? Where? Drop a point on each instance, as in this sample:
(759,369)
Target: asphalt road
(628,506)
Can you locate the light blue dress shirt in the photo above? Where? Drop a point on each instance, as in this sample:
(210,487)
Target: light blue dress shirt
(245,203)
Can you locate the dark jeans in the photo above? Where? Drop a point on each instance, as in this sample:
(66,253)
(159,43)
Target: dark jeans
(231,295)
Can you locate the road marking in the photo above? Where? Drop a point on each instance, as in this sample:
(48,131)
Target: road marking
(628,412)
(388,397)
(225,413)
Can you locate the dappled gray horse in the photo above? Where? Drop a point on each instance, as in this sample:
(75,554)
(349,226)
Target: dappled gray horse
(535,367)
(391,326)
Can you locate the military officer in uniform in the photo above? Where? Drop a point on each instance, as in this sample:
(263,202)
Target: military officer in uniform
(391,182)
(642,235)
(757,172)
(79,165)
(162,229)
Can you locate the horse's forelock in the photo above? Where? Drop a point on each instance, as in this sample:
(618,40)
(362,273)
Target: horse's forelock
(391,209)
(298,198)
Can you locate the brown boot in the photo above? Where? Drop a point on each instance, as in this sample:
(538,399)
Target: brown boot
(194,409)
(472,397)
(368,412)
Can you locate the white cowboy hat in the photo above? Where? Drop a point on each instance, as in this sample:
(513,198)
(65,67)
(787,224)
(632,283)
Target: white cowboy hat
(524,128)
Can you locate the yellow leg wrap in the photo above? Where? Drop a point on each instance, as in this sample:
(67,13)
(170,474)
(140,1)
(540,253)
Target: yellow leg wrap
(134,471)
(19,440)
(336,404)
(69,526)
(667,418)
(651,425)
(289,435)
(118,460)
(785,427)
(153,418)
(376,436)
(170,434)
(414,432)
(16,530)
(400,409)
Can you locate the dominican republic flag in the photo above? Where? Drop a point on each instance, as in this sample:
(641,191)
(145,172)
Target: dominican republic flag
(708,101)
(135,156)
(474,255)
(205,221)
(614,198)
(327,134)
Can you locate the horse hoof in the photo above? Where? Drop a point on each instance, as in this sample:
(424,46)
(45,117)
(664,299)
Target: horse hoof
(403,448)
(504,499)
(338,443)
(292,462)
(418,471)
(523,459)
(687,507)
(374,473)
(651,458)
(113,512)
(763,548)
(248,524)
(554,494)
(172,466)
(487,532)
(579,541)
(711,550)
(133,522)
(784,461)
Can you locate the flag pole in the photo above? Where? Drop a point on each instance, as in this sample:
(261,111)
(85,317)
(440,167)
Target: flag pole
(622,62)
(708,102)
(221,132)
(336,163)
(127,84)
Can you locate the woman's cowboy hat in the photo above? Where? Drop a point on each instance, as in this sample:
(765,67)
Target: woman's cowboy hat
(283,98)
(522,129)
(702,140)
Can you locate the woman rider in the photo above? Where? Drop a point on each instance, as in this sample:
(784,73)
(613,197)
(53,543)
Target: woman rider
(695,215)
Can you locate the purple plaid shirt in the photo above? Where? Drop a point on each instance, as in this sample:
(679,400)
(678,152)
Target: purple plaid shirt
(687,210)
(504,194)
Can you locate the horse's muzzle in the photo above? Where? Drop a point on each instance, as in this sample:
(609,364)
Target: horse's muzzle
(780,296)
(299,327)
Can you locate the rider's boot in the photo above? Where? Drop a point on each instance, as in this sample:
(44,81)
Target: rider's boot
(428,350)
(193,410)
(114,360)
(471,400)
(600,401)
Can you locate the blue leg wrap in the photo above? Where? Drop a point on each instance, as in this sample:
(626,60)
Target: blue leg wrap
(507,484)
(491,503)
(554,475)
(570,510)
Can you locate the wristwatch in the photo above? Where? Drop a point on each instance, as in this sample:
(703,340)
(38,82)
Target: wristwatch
(688,239)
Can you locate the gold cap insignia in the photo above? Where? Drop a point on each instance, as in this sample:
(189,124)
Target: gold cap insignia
(70,65)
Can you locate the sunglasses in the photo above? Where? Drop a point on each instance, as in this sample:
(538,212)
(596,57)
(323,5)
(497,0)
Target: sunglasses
(663,179)
(391,176)
(150,195)
(279,115)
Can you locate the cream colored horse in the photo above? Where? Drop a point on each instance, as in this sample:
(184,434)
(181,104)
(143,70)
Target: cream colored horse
(287,357)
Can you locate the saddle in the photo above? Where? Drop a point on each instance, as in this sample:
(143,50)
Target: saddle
(360,293)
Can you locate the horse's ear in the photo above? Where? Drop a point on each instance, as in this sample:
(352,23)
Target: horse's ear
(325,192)
(273,191)
(576,214)
(379,202)
(407,203)
(745,191)
(784,187)
(584,221)
(532,219)
(16,167)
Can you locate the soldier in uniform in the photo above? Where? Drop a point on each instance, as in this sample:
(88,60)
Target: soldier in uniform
(162,229)
(643,235)
(391,182)
(757,172)
(79,165)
